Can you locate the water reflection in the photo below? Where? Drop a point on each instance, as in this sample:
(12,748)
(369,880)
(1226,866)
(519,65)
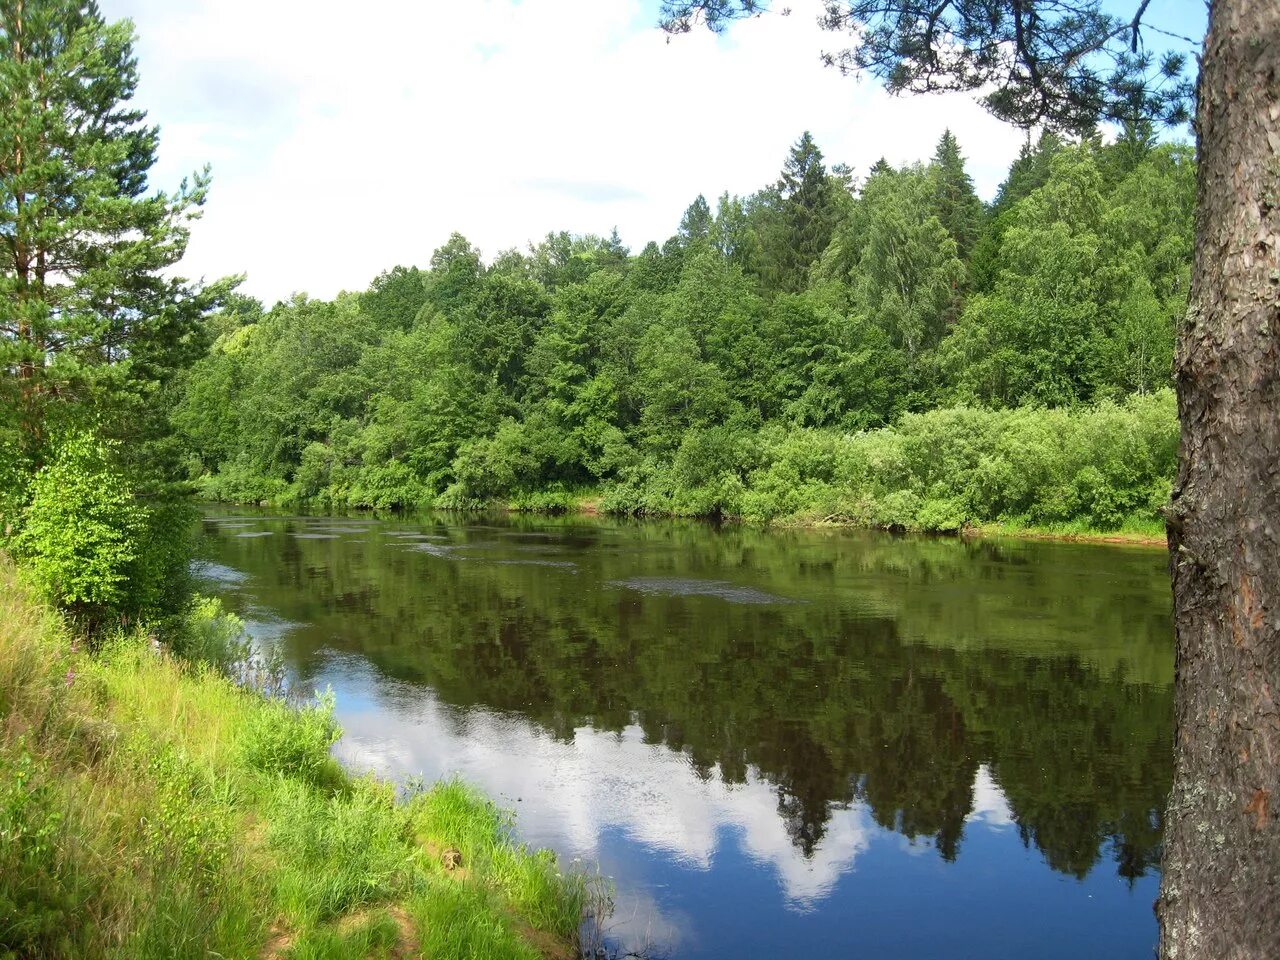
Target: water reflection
(598,782)
(855,721)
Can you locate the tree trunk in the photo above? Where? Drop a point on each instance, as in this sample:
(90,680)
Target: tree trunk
(1220,895)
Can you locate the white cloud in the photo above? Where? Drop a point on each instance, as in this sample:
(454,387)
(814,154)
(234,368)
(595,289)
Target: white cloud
(990,805)
(346,140)
(573,795)
(568,795)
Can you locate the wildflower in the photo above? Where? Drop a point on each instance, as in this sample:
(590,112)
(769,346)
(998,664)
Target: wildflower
(71,677)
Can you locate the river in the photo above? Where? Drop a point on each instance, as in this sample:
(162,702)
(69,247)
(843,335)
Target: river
(799,743)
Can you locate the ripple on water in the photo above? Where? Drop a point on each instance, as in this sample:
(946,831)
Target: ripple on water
(435,550)
(685,587)
(562,564)
(254,533)
(217,572)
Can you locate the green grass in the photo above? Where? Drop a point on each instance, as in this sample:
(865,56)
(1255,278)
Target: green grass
(151,808)
(554,500)
(461,920)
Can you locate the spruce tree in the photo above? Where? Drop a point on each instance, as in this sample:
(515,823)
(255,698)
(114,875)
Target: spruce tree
(696,222)
(956,204)
(804,217)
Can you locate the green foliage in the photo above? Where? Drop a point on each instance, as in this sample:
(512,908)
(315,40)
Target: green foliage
(156,809)
(1063,64)
(94,548)
(1102,468)
(95,326)
(1083,303)
(956,205)
(908,274)
(161,584)
(211,636)
(663,380)
(35,904)
(15,478)
(83,531)
(797,217)
(279,739)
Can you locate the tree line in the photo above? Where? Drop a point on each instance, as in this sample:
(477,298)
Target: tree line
(826,315)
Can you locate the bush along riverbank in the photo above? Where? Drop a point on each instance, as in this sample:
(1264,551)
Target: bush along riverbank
(150,807)
(1091,472)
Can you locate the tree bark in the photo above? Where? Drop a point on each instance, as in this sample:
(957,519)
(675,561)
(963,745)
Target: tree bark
(1220,893)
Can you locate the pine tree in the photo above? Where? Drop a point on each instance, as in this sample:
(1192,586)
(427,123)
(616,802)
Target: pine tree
(88,318)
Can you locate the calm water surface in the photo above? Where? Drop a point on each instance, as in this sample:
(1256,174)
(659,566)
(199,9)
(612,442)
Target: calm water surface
(778,744)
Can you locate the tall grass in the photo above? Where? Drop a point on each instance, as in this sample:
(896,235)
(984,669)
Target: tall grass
(151,808)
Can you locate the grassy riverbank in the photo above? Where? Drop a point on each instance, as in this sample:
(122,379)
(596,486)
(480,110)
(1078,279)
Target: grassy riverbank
(1152,535)
(151,808)
(1138,531)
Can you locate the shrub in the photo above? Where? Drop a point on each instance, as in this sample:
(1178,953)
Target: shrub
(555,499)
(388,485)
(211,636)
(14,481)
(1103,467)
(241,481)
(95,549)
(83,532)
(161,583)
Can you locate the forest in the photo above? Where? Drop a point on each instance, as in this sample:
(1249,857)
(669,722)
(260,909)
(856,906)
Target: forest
(884,349)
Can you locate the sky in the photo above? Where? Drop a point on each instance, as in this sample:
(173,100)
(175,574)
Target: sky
(345,139)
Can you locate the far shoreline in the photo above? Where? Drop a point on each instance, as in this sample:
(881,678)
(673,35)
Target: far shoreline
(590,506)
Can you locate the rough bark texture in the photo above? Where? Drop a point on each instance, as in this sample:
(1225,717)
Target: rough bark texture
(1220,896)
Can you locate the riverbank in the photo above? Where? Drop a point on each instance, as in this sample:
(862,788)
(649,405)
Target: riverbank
(590,504)
(1128,538)
(152,808)
(1152,535)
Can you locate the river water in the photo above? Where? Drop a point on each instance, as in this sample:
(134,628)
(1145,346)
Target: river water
(777,744)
